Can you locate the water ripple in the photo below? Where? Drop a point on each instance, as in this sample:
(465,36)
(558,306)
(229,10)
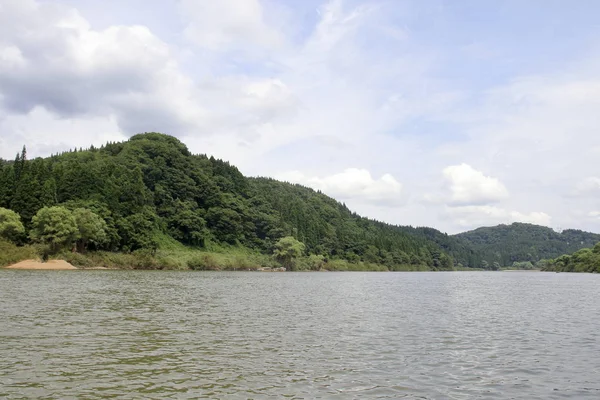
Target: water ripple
(183,335)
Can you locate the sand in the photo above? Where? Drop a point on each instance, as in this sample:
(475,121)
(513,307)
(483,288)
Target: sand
(33,264)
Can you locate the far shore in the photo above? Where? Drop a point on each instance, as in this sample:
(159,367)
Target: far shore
(36,264)
(521,270)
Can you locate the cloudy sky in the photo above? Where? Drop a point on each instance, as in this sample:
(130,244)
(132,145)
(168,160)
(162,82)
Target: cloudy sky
(445,113)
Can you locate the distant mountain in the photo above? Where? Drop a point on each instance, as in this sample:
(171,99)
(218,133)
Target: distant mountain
(506,244)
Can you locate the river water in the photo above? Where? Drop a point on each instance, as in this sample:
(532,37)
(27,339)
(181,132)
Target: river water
(158,334)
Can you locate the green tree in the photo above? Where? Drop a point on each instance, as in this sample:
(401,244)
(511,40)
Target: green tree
(316,262)
(11,227)
(371,255)
(225,223)
(92,229)
(446,263)
(138,231)
(186,224)
(54,226)
(287,249)
(525,264)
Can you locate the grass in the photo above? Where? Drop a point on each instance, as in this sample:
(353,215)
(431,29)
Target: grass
(172,255)
(171,258)
(11,253)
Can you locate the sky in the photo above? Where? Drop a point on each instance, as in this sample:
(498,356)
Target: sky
(445,113)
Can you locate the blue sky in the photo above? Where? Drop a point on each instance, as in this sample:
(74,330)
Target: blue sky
(452,114)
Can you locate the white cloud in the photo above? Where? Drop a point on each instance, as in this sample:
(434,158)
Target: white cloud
(471,187)
(58,62)
(540,132)
(352,183)
(474,216)
(124,74)
(228,24)
(267,99)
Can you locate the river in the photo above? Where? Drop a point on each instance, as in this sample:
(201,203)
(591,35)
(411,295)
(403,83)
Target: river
(158,334)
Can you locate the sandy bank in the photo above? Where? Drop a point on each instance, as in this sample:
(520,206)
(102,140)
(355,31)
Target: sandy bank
(33,264)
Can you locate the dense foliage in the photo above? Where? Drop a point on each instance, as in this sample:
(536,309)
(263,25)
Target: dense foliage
(584,260)
(519,242)
(11,228)
(329,228)
(127,196)
(54,227)
(287,250)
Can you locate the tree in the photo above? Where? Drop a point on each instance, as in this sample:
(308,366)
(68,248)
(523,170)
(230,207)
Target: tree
(525,264)
(446,263)
(92,229)
(11,227)
(26,195)
(287,249)
(186,224)
(225,223)
(316,262)
(138,231)
(371,255)
(55,227)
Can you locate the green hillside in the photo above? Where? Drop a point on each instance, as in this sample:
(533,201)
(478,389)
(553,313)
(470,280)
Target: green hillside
(520,242)
(151,191)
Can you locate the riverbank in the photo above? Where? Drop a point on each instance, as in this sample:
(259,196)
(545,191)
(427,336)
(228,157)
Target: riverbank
(174,256)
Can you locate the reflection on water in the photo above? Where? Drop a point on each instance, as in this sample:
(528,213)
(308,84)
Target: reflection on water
(142,334)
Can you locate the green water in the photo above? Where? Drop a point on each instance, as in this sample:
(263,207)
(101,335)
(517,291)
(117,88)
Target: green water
(180,335)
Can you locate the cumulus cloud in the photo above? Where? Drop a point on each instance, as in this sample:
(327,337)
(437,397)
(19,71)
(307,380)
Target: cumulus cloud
(474,216)
(352,183)
(55,60)
(471,187)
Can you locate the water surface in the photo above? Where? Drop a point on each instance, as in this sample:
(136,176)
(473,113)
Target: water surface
(145,334)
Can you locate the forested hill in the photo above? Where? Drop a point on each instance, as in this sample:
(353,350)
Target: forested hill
(151,187)
(520,242)
(327,226)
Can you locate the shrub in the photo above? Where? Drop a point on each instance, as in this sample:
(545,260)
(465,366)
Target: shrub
(204,262)
(11,253)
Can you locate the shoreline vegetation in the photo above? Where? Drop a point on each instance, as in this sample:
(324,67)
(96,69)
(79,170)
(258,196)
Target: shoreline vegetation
(175,256)
(180,258)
